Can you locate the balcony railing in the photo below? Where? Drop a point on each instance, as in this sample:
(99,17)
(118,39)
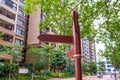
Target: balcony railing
(8,38)
(9,27)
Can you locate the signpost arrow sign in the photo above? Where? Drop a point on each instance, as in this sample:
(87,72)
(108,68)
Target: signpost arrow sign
(75,39)
(55,38)
(70,53)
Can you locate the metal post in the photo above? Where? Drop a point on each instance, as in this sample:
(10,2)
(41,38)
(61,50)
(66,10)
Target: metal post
(77,46)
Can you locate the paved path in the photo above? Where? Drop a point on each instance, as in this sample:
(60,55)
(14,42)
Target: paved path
(106,77)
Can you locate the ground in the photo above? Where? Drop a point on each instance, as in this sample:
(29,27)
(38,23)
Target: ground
(106,77)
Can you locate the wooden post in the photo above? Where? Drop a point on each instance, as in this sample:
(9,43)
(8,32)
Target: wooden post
(77,46)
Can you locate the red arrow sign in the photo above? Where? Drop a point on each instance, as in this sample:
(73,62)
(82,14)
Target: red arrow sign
(70,53)
(55,38)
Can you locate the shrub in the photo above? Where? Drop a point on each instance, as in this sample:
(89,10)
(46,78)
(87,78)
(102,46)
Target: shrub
(86,73)
(63,75)
(55,75)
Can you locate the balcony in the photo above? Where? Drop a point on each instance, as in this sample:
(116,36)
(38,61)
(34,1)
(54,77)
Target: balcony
(8,5)
(7,38)
(4,42)
(7,13)
(6,31)
(6,27)
(7,19)
(15,1)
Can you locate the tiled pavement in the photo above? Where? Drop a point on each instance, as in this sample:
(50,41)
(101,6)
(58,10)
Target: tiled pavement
(107,77)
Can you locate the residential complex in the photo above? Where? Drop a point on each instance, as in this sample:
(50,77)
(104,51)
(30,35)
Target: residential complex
(18,28)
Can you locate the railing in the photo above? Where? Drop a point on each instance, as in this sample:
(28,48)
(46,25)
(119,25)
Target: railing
(9,27)
(8,38)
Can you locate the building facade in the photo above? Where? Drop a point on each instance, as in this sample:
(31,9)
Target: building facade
(12,22)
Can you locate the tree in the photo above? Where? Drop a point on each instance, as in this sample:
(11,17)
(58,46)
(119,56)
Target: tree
(84,67)
(11,68)
(14,50)
(59,61)
(114,54)
(58,14)
(101,66)
(98,19)
(92,67)
(41,57)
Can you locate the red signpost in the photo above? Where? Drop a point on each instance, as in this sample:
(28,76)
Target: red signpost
(75,39)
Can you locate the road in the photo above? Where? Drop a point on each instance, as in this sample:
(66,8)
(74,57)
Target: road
(106,77)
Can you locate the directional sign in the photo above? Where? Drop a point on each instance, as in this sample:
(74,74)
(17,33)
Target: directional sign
(55,38)
(75,39)
(70,53)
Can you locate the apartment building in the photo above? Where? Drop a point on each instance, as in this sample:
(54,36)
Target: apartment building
(88,50)
(12,22)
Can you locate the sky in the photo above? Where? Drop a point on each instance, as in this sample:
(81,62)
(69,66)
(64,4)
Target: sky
(98,47)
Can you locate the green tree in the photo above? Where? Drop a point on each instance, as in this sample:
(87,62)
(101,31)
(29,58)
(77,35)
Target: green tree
(14,50)
(84,67)
(69,69)
(41,57)
(92,67)
(101,66)
(114,54)
(59,15)
(59,61)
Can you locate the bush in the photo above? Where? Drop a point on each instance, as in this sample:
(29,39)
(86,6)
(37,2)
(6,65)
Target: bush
(86,73)
(55,75)
(63,75)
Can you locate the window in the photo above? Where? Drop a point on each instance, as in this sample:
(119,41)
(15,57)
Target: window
(20,32)
(14,7)
(42,17)
(109,70)
(2,1)
(20,22)
(20,12)
(9,27)
(18,41)
(109,66)
(21,3)
(10,4)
